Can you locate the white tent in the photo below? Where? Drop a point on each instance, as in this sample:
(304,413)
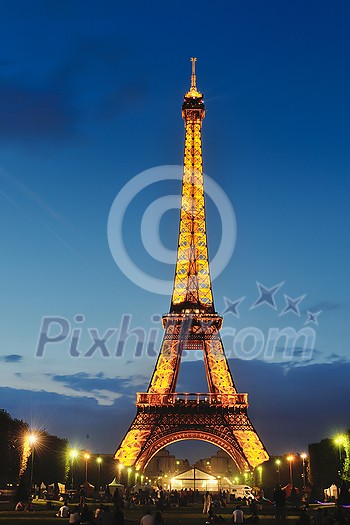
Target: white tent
(89,489)
(114,485)
(51,488)
(194,479)
(331,493)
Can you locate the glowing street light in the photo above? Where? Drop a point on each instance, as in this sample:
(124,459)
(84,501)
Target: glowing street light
(303,457)
(339,440)
(73,454)
(32,440)
(278,470)
(99,461)
(86,457)
(290,458)
(219,482)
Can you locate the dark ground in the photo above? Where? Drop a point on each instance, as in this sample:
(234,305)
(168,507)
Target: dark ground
(174,516)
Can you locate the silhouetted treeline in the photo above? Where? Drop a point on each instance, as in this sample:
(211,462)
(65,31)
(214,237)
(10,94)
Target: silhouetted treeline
(48,464)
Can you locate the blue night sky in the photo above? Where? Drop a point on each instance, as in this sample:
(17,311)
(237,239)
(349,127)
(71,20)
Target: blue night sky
(90,96)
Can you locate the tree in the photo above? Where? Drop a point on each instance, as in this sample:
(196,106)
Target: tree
(12,432)
(50,459)
(346,465)
(330,462)
(50,462)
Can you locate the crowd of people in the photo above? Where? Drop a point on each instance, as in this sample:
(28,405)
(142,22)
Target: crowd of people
(306,516)
(211,505)
(85,515)
(110,512)
(103,515)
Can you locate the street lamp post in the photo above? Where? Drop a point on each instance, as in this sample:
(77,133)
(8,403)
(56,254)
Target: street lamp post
(129,474)
(99,461)
(278,471)
(339,441)
(73,454)
(86,457)
(290,458)
(120,468)
(32,439)
(303,457)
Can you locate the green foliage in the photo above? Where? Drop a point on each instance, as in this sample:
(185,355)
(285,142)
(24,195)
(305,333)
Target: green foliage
(324,463)
(50,459)
(11,440)
(329,463)
(346,464)
(50,454)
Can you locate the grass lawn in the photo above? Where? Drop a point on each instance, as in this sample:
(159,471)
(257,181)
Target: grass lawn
(174,516)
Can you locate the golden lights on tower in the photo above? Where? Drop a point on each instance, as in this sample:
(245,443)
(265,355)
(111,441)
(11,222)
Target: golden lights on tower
(192,286)
(192,324)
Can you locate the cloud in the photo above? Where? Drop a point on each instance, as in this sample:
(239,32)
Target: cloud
(28,113)
(123,99)
(288,411)
(107,60)
(336,358)
(89,83)
(72,417)
(96,383)
(43,105)
(300,355)
(324,306)
(11,358)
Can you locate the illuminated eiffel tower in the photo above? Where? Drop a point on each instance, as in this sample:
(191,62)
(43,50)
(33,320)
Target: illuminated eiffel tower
(220,415)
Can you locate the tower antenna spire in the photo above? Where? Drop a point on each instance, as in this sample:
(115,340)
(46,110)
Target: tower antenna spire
(193,76)
(193,92)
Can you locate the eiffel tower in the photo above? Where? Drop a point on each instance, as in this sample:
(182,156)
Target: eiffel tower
(220,415)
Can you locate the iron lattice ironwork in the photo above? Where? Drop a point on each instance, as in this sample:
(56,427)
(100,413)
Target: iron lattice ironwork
(219,416)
